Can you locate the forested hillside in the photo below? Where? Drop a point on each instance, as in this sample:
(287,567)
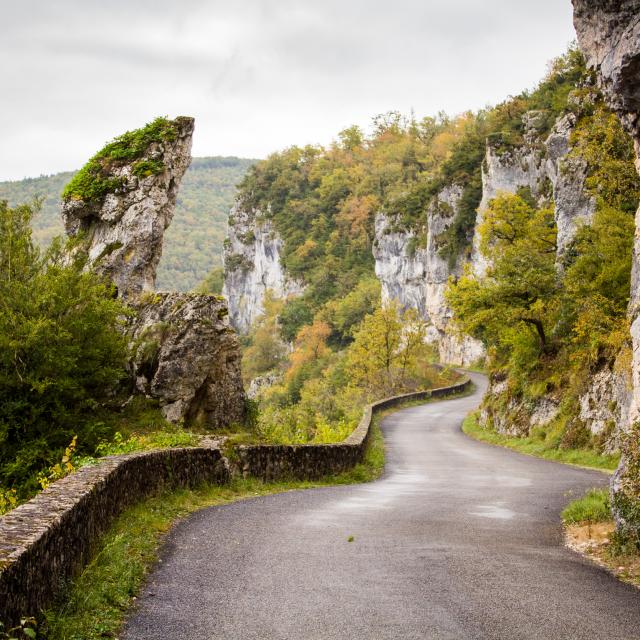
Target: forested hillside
(546,283)
(193,242)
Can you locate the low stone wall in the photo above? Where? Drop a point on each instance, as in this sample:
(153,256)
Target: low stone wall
(312,461)
(46,541)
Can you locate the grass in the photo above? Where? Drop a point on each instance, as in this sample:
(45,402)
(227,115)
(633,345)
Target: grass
(593,507)
(590,531)
(538,447)
(96,603)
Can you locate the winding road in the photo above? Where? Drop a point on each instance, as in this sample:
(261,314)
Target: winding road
(458,540)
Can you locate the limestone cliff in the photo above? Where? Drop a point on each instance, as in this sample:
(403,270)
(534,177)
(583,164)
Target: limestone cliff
(609,35)
(417,275)
(123,200)
(116,210)
(252,266)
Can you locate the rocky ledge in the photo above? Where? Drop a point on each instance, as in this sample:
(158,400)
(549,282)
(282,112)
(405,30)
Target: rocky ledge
(186,355)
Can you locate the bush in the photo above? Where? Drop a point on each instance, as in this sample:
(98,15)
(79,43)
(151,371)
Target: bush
(62,352)
(96,178)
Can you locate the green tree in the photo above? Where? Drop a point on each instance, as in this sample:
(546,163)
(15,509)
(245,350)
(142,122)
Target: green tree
(265,351)
(512,307)
(62,351)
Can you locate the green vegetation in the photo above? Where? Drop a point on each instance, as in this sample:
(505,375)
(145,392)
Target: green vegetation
(588,520)
(61,352)
(193,243)
(593,507)
(549,327)
(96,179)
(541,444)
(323,201)
(99,598)
(319,392)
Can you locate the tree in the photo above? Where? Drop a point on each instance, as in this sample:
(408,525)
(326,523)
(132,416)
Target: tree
(265,351)
(520,291)
(413,335)
(212,284)
(62,351)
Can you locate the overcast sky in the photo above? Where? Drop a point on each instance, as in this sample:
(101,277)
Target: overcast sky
(258,75)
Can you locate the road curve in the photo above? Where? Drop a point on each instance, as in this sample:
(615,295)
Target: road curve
(458,540)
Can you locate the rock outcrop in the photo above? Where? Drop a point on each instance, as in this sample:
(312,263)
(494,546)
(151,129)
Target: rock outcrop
(116,210)
(186,355)
(122,230)
(417,275)
(252,266)
(546,168)
(609,36)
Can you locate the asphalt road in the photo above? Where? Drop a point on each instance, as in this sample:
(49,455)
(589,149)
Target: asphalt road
(458,540)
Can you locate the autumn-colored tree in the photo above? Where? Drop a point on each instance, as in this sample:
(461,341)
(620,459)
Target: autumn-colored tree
(414,332)
(385,347)
(265,351)
(310,346)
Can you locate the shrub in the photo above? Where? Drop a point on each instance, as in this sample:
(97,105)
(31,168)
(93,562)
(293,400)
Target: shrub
(61,352)
(96,179)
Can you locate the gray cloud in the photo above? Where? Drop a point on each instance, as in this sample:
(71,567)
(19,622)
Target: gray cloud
(257,74)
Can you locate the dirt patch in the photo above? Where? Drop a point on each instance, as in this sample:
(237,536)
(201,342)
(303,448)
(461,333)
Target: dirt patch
(594,542)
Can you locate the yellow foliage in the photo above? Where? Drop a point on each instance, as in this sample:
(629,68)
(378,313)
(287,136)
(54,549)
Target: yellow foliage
(62,468)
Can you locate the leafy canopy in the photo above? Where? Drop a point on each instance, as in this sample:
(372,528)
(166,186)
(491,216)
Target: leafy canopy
(61,351)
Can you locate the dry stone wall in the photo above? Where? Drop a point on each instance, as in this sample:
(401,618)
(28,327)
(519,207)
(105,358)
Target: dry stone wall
(46,542)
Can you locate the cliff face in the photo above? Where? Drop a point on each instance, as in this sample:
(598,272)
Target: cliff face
(609,36)
(417,276)
(183,352)
(122,231)
(252,266)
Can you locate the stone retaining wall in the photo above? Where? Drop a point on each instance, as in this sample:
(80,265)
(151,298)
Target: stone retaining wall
(312,461)
(46,541)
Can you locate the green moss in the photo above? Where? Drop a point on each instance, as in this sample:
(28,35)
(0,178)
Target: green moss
(146,168)
(95,180)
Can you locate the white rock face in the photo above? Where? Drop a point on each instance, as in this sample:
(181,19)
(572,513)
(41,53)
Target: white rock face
(609,36)
(573,205)
(547,174)
(402,274)
(252,266)
(125,230)
(605,406)
(418,279)
(505,172)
